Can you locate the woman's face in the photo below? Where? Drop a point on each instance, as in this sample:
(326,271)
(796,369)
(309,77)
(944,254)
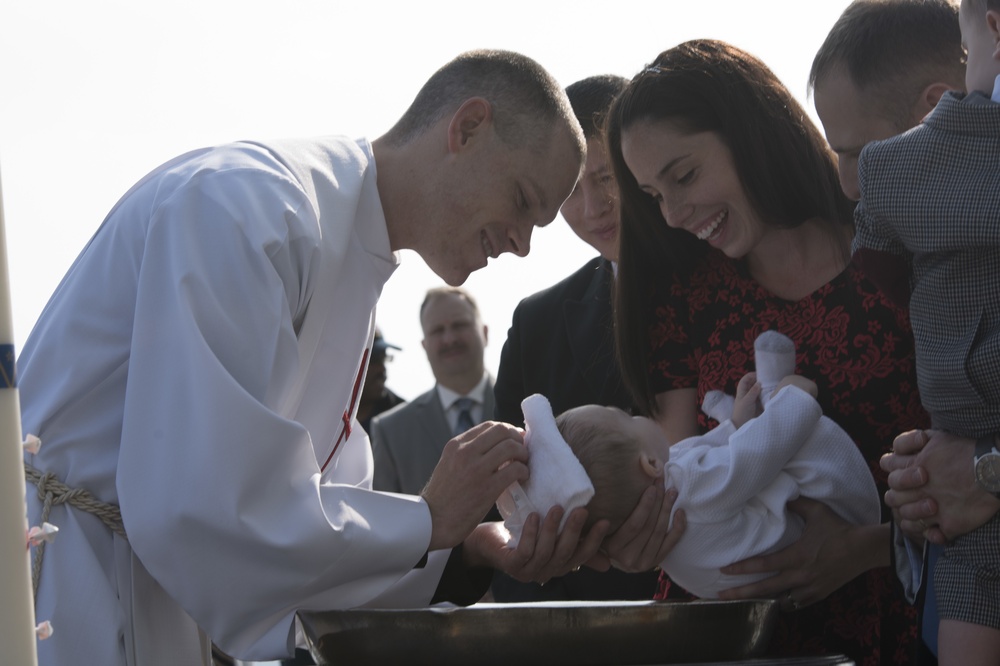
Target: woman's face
(693,179)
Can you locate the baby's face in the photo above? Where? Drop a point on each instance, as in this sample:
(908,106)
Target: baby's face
(652,441)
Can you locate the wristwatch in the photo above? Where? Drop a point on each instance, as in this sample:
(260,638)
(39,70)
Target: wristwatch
(987,464)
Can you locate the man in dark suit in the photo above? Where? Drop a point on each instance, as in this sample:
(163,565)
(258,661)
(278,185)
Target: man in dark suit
(560,342)
(407,441)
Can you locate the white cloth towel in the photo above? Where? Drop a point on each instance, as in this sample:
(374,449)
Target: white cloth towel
(556,477)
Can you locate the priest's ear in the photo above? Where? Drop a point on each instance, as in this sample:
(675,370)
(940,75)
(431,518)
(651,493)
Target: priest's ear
(470,120)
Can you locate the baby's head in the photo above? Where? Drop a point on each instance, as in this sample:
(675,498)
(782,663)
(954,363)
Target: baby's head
(622,455)
(980,24)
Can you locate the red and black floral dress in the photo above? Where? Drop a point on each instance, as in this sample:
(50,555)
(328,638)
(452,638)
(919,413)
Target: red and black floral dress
(857,346)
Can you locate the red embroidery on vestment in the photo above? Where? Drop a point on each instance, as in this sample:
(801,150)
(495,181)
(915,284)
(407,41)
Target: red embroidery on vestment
(348,416)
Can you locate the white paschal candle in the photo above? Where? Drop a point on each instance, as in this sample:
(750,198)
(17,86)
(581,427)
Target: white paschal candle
(17,620)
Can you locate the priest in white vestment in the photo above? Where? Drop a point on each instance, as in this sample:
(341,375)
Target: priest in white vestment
(200,363)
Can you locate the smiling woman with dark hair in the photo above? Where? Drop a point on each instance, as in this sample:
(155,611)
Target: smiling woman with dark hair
(733,223)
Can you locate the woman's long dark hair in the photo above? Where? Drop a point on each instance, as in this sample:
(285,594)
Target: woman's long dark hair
(787,171)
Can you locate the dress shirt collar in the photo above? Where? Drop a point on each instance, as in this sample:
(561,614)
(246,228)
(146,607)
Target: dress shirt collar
(448,397)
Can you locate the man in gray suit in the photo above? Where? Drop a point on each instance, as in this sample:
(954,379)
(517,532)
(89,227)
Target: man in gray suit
(407,440)
(869,83)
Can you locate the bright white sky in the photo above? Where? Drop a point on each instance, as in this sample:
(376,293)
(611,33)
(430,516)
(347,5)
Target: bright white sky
(95,94)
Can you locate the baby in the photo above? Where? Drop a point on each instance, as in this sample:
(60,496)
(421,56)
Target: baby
(733,482)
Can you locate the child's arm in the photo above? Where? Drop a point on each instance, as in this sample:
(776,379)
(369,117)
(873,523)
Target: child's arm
(723,478)
(877,248)
(745,406)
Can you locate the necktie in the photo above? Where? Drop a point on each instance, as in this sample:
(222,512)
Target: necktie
(464,415)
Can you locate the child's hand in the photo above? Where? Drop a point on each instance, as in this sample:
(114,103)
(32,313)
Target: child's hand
(807,385)
(746,405)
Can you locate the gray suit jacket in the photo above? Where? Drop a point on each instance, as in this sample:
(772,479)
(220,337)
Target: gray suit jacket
(932,196)
(408,439)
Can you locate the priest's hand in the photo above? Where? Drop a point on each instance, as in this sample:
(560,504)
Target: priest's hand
(475,467)
(542,552)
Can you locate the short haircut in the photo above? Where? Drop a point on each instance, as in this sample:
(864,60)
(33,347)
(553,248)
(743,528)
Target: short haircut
(591,98)
(892,50)
(527,102)
(787,171)
(611,461)
(435,293)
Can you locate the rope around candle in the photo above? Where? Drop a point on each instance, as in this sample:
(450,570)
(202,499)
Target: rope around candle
(52,491)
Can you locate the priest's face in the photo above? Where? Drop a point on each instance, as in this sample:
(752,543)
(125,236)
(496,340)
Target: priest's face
(495,195)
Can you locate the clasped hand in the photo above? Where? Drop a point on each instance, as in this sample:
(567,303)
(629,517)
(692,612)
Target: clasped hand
(932,490)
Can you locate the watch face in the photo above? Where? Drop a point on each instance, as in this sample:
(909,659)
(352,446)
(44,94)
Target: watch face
(988,472)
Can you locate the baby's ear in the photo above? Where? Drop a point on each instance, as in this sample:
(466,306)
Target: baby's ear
(651,465)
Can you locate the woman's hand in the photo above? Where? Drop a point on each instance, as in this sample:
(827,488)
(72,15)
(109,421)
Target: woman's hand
(646,536)
(542,552)
(830,553)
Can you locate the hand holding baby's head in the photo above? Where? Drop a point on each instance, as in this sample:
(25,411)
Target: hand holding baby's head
(622,454)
